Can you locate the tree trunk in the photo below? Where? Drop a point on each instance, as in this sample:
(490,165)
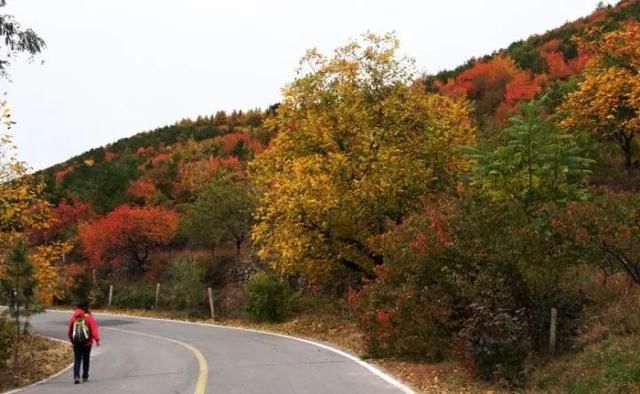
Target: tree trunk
(15,351)
(238,244)
(625,142)
(357,268)
(630,267)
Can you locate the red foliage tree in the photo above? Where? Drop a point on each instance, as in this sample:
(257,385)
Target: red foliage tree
(485,83)
(229,141)
(559,67)
(523,86)
(63,221)
(605,231)
(128,235)
(578,64)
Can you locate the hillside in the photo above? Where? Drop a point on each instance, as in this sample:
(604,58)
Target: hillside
(485,218)
(496,83)
(546,62)
(155,166)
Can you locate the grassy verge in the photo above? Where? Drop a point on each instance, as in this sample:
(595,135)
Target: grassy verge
(39,358)
(611,366)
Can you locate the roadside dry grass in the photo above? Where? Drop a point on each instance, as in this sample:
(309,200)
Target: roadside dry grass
(607,360)
(40,358)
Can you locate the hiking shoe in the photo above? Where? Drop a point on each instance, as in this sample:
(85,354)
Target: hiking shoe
(85,379)
(76,381)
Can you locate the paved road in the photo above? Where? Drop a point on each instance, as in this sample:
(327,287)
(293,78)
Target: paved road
(151,356)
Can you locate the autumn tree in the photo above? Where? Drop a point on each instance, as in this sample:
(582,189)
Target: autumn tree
(195,175)
(21,204)
(607,102)
(47,259)
(19,192)
(560,67)
(357,146)
(63,222)
(605,231)
(409,309)
(53,246)
(485,83)
(143,191)
(125,237)
(522,87)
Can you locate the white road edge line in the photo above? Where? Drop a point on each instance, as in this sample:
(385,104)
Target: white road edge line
(384,376)
(45,380)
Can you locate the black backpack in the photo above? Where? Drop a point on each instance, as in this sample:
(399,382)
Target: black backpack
(81,332)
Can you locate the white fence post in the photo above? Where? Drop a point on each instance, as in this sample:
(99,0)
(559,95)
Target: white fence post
(552,330)
(110,294)
(211,303)
(157,294)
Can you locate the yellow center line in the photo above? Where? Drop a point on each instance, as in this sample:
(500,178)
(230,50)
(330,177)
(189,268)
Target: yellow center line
(202,361)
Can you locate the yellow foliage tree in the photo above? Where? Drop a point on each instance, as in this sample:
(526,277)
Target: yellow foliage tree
(358,146)
(21,205)
(48,281)
(607,102)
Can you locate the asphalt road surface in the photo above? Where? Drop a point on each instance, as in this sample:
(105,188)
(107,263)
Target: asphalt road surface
(153,356)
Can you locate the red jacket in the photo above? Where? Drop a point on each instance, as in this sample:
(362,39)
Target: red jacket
(94,334)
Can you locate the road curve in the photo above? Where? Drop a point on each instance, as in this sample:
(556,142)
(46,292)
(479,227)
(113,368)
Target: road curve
(159,356)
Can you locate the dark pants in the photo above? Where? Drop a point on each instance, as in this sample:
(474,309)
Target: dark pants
(81,354)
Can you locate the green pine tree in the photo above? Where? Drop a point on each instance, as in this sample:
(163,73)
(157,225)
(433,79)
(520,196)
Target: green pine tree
(19,283)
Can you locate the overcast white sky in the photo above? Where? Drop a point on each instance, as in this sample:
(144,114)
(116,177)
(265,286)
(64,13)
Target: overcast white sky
(115,68)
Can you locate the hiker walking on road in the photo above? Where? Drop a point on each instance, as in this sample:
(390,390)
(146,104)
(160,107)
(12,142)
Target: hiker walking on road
(82,332)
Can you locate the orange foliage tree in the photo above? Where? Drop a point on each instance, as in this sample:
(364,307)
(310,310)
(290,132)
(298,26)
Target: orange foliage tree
(195,175)
(143,190)
(127,235)
(485,83)
(607,102)
(495,86)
